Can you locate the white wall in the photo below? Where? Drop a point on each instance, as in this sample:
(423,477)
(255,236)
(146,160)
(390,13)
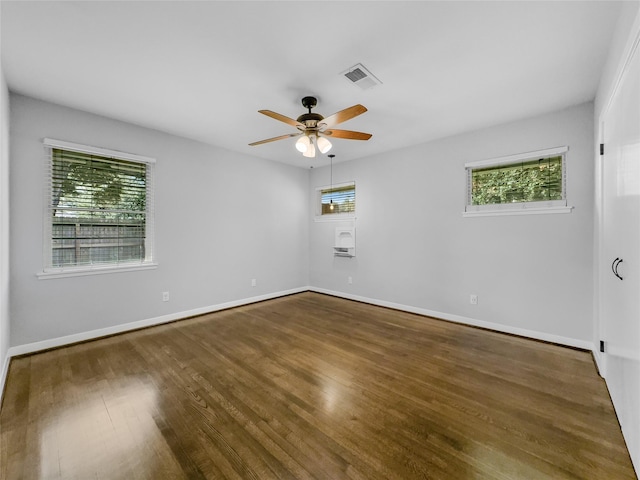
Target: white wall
(532,273)
(4,230)
(221,219)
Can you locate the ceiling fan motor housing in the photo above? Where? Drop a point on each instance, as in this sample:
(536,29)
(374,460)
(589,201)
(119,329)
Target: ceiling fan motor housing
(310,120)
(309,102)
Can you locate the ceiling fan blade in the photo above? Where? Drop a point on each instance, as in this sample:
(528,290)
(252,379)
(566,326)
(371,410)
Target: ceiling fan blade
(347,134)
(343,115)
(282,118)
(281,137)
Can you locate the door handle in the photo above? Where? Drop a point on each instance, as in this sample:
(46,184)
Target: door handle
(614,267)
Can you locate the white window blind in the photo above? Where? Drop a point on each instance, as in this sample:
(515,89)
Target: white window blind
(337,199)
(99,208)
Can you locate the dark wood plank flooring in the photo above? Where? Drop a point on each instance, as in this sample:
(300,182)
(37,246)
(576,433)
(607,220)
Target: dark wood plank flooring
(310,386)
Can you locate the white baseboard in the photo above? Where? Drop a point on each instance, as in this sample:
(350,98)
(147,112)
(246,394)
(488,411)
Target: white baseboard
(103,332)
(600,359)
(3,375)
(93,334)
(567,341)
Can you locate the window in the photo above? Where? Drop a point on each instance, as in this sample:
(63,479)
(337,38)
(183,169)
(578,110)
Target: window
(338,200)
(533,182)
(99,210)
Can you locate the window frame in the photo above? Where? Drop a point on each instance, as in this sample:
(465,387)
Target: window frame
(517,208)
(333,217)
(49,271)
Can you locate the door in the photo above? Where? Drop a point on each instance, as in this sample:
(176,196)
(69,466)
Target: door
(620,252)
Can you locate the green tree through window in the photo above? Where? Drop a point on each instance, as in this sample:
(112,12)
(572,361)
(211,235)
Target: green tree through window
(528,181)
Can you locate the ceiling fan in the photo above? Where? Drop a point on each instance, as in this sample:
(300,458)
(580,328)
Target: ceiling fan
(313,128)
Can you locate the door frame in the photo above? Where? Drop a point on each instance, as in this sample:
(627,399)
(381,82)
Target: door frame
(599,327)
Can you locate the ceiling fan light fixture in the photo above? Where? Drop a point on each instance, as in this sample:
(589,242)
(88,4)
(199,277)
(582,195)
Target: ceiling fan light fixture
(302,145)
(324,145)
(310,152)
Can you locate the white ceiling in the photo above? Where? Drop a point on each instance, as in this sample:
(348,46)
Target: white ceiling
(203,69)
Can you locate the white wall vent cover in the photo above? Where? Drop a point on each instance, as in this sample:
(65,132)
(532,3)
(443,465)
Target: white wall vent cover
(360,76)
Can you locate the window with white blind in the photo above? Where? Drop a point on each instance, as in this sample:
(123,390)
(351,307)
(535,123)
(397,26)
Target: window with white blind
(533,182)
(336,201)
(98,211)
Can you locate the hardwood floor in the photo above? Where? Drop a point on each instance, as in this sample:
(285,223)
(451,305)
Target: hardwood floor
(310,386)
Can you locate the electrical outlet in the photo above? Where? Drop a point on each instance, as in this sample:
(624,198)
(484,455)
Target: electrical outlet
(473,299)
(350,280)
(165,296)
(253,282)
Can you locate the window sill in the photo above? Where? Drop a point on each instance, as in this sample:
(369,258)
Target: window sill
(94,270)
(518,211)
(335,217)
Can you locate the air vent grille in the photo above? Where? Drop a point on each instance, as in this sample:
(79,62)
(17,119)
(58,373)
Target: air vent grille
(360,76)
(355,75)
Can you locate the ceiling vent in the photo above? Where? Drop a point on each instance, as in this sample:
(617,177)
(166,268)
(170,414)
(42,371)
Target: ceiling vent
(360,76)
